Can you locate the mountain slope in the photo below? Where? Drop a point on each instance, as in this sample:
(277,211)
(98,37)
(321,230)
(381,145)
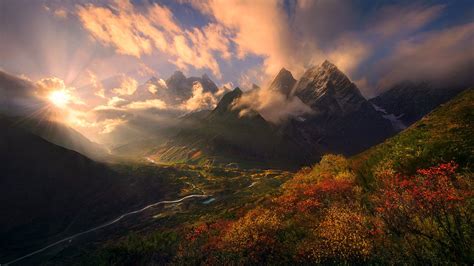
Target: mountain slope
(327,90)
(64,136)
(46,189)
(411,101)
(342,121)
(443,135)
(18,101)
(225,135)
(283,82)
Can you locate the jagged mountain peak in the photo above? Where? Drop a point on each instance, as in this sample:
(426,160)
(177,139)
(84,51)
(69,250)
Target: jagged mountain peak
(326,87)
(283,82)
(178,74)
(225,104)
(284,74)
(325,71)
(284,71)
(328,65)
(205,77)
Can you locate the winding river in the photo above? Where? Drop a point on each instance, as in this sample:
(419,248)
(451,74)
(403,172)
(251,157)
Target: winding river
(105,225)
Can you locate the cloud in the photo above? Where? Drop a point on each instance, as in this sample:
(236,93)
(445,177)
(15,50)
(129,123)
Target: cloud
(296,35)
(116,102)
(255,75)
(258,27)
(224,89)
(445,57)
(156,87)
(128,85)
(145,71)
(348,52)
(153,103)
(401,19)
(110,125)
(46,85)
(135,33)
(272,105)
(199,100)
(47,88)
(61,13)
(96,85)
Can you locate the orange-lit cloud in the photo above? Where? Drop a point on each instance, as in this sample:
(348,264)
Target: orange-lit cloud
(128,85)
(272,105)
(135,33)
(199,100)
(54,90)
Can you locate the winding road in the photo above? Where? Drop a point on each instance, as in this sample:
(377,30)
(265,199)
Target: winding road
(105,225)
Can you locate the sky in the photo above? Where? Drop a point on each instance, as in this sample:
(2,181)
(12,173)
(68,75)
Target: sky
(98,52)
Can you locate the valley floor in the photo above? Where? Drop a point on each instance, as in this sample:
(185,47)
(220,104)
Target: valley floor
(203,192)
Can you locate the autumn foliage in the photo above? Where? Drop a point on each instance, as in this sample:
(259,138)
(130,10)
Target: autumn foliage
(430,209)
(324,216)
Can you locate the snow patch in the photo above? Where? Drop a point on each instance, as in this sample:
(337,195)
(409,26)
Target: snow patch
(395,120)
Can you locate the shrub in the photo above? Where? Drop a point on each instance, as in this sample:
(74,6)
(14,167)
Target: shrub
(432,209)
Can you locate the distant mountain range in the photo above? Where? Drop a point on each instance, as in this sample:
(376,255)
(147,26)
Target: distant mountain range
(179,88)
(410,101)
(341,121)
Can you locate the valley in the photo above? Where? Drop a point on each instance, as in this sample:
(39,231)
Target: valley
(203,192)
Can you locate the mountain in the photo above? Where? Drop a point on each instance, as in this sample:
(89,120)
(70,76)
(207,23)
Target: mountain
(283,82)
(64,136)
(16,96)
(410,101)
(328,91)
(225,135)
(342,121)
(46,189)
(179,88)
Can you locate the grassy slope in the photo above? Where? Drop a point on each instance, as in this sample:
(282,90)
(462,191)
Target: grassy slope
(443,135)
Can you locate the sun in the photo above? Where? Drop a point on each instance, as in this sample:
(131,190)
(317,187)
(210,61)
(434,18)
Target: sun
(60,98)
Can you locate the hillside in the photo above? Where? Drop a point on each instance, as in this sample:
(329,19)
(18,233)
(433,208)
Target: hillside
(443,135)
(45,188)
(410,101)
(64,136)
(48,192)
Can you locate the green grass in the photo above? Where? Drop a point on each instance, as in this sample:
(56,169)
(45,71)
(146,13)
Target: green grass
(444,135)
